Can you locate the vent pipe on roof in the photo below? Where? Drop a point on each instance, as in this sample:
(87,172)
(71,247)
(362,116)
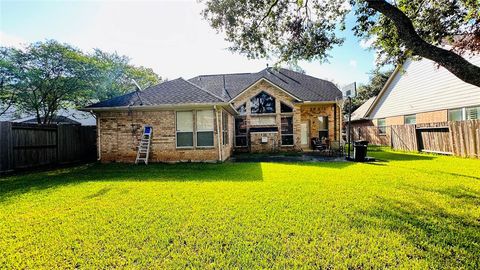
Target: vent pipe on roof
(137,90)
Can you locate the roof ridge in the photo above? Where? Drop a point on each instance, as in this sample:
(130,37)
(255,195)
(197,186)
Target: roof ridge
(206,91)
(221,74)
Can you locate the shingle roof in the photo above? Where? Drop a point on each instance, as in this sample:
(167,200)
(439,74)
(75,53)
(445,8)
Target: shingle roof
(178,91)
(302,86)
(221,88)
(360,112)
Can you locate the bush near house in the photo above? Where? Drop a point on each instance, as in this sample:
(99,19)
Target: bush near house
(406,211)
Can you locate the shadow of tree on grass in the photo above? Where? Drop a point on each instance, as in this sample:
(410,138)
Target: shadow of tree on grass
(183,172)
(444,239)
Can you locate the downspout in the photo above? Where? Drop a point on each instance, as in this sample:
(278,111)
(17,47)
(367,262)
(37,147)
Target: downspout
(218,135)
(99,143)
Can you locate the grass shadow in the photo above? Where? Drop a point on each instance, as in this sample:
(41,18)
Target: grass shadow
(383,155)
(444,239)
(183,172)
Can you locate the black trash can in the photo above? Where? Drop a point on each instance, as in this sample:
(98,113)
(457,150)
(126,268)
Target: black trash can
(360,150)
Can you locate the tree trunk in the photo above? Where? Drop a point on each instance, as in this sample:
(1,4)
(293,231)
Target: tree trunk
(453,62)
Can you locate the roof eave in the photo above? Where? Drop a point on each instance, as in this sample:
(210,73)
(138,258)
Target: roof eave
(156,107)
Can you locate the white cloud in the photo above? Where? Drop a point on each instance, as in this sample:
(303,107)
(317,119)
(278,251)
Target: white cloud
(353,63)
(367,43)
(11,41)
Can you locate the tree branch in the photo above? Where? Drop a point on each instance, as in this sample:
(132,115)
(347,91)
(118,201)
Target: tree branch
(453,62)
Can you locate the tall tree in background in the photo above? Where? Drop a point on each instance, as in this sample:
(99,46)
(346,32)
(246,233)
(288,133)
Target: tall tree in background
(113,75)
(48,76)
(308,29)
(45,77)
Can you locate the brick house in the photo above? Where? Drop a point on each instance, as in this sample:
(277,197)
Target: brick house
(208,117)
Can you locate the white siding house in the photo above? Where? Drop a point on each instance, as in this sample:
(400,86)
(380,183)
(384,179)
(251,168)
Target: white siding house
(423,87)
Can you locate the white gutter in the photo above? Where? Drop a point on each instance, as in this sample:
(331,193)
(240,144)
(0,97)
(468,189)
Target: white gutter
(218,135)
(154,107)
(99,141)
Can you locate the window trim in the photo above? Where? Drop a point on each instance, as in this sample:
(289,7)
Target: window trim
(196,130)
(244,118)
(288,134)
(462,110)
(470,107)
(382,126)
(409,115)
(193,130)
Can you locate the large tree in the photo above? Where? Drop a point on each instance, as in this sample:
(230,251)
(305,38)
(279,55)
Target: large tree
(114,75)
(48,76)
(308,29)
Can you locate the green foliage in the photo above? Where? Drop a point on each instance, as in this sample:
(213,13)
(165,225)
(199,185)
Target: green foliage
(113,75)
(295,30)
(48,76)
(436,22)
(408,211)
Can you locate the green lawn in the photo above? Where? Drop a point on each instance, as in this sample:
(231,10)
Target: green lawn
(409,211)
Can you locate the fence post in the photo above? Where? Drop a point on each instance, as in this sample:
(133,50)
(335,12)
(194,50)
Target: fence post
(6,147)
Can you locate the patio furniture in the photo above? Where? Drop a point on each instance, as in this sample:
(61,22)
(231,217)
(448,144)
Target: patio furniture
(316,144)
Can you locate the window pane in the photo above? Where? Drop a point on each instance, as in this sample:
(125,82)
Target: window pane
(205,138)
(323,122)
(263,120)
(262,103)
(287,125)
(185,121)
(240,126)
(455,115)
(382,127)
(473,113)
(284,108)
(381,122)
(242,110)
(287,139)
(410,119)
(225,128)
(184,139)
(205,120)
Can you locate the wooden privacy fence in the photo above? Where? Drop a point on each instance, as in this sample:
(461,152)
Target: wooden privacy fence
(25,145)
(459,138)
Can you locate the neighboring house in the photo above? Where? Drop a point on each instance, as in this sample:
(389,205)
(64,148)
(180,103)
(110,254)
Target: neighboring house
(69,116)
(420,92)
(207,117)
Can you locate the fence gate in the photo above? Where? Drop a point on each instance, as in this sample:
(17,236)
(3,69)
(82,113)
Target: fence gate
(434,139)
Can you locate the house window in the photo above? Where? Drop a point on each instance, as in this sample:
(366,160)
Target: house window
(242,110)
(240,132)
(262,103)
(472,113)
(184,129)
(225,128)
(322,127)
(455,115)
(205,128)
(287,130)
(382,126)
(410,119)
(284,108)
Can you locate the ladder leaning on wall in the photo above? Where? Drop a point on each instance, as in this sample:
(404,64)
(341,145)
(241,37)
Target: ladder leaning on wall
(144,147)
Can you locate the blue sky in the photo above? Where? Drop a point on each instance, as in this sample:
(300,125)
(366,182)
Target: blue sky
(168,36)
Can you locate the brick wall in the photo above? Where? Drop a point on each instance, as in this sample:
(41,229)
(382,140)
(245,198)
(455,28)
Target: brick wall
(432,117)
(308,113)
(119,134)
